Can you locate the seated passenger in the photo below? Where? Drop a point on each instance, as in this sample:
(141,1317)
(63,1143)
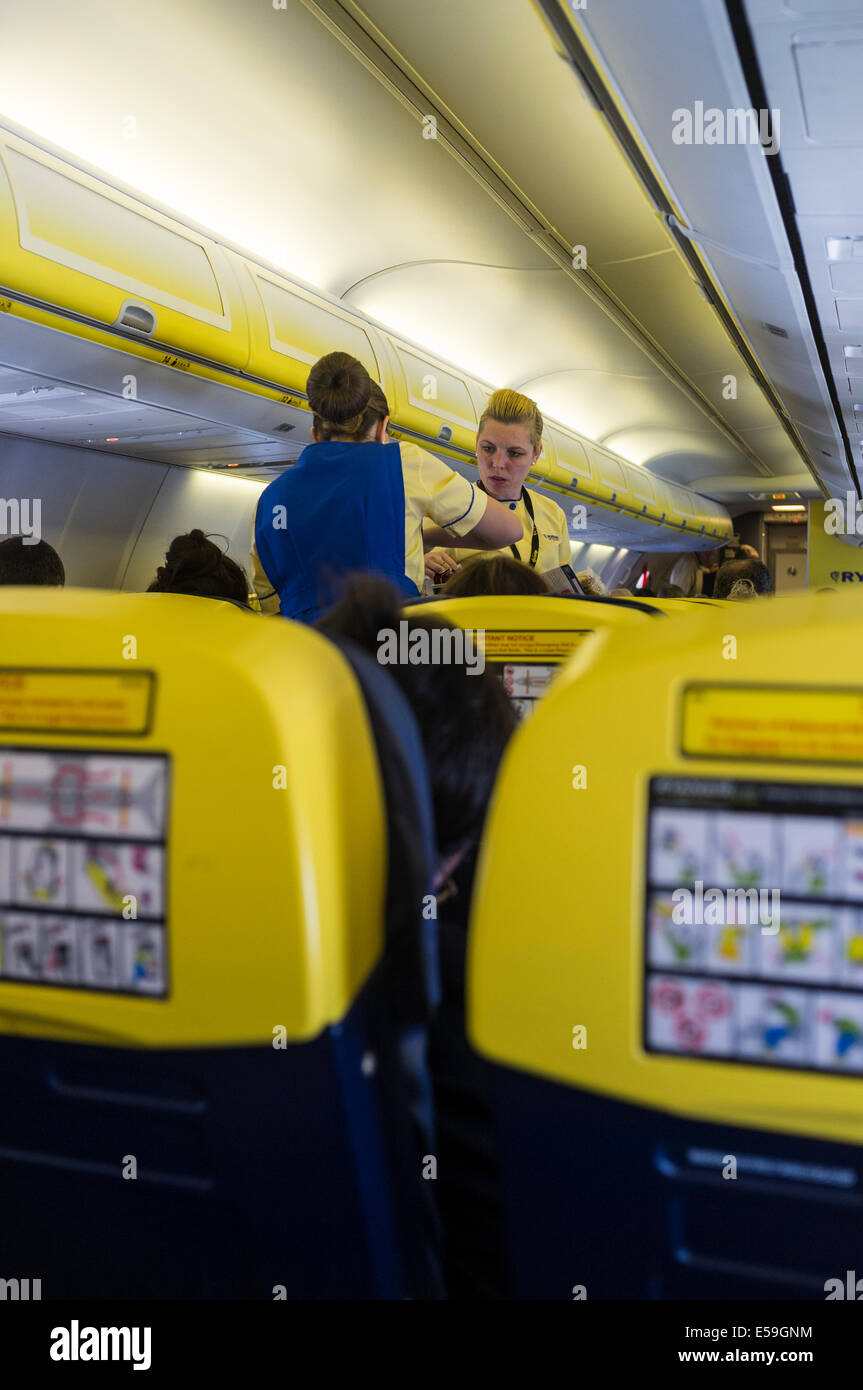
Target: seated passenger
(21,563)
(464,716)
(670,591)
(621,593)
(196,565)
(696,573)
(355,501)
(465,721)
(496,575)
(743,579)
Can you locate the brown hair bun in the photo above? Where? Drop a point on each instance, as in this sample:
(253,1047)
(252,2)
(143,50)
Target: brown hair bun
(339,389)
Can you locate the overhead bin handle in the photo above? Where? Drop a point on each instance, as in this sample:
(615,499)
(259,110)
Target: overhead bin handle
(136,316)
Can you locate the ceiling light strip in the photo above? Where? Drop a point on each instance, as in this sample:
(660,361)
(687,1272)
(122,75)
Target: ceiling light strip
(564,27)
(347,22)
(782,191)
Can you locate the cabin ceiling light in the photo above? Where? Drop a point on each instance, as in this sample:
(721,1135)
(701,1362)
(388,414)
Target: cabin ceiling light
(28,394)
(845,248)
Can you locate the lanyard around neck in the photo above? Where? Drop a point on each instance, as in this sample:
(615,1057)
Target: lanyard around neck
(534,540)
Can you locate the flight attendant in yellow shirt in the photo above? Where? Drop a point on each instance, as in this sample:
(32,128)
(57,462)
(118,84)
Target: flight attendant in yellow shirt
(508,443)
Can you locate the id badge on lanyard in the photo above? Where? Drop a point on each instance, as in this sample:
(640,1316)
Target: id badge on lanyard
(534,540)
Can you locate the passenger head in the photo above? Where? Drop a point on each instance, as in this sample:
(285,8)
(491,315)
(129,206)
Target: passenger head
(497,574)
(348,406)
(621,593)
(670,591)
(508,441)
(196,565)
(742,579)
(464,716)
(30,564)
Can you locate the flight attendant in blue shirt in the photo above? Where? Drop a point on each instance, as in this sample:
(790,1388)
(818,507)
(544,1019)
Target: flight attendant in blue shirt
(355,501)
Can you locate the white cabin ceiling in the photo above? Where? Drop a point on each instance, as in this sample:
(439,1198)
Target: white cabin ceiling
(266,127)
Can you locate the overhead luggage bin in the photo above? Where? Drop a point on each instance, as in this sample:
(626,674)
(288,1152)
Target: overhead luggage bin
(525,639)
(292,327)
(668,980)
(75,243)
(570,455)
(430,401)
(610,477)
(89,259)
(203,1086)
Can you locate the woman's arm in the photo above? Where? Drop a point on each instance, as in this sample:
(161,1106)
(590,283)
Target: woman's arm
(497,527)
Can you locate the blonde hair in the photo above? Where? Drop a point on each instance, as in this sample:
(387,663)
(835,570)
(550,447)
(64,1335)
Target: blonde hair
(511,408)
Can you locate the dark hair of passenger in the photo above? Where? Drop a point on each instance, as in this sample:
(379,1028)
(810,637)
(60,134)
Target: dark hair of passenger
(196,565)
(670,591)
(465,718)
(742,579)
(30,564)
(499,574)
(347,404)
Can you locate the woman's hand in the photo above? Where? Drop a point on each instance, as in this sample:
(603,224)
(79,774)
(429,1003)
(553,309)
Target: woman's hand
(439,565)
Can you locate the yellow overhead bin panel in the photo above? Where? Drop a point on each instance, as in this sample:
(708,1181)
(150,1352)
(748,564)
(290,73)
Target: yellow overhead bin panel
(102,264)
(570,455)
(82,247)
(548,470)
(668,502)
(548,453)
(291,328)
(610,477)
(696,518)
(430,399)
(644,492)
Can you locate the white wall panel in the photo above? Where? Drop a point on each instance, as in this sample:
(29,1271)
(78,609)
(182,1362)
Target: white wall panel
(93,505)
(219,505)
(112,518)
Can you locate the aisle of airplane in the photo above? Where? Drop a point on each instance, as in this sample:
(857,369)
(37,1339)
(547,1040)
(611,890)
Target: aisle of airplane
(250,899)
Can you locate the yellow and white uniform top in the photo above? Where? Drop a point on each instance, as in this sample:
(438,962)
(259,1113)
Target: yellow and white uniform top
(431,490)
(552,529)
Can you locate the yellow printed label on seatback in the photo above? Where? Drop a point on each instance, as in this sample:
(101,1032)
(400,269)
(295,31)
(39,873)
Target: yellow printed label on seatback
(75,702)
(772,722)
(530,645)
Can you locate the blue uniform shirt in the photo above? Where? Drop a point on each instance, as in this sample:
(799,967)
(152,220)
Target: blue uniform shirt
(340,509)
